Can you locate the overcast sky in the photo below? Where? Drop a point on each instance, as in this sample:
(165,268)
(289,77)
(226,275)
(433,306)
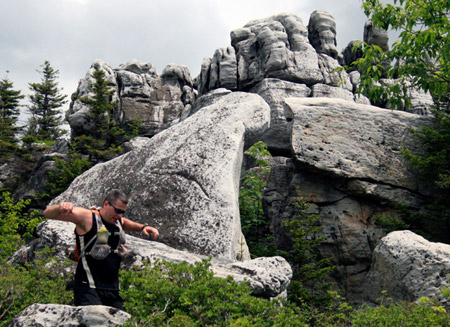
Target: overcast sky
(71,34)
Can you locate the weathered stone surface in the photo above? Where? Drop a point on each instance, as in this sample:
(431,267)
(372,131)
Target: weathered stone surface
(208,99)
(345,217)
(268,277)
(155,100)
(353,140)
(347,164)
(140,94)
(203,79)
(327,91)
(408,267)
(275,47)
(331,76)
(135,143)
(185,180)
(376,36)
(223,69)
(52,315)
(322,33)
(421,102)
(351,53)
(274,91)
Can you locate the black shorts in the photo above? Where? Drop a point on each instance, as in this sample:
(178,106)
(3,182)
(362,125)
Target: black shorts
(92,296)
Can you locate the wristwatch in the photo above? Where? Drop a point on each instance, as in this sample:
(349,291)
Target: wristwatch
(145,225)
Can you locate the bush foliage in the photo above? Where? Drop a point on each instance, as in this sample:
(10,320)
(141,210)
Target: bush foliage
(21,286)
(189,295)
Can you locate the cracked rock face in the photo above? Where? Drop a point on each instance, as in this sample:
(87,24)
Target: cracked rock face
(377,36)
(185,180)
(347,163)
(353,140)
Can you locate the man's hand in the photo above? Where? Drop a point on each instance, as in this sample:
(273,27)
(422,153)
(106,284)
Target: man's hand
(148,229)
(66,207)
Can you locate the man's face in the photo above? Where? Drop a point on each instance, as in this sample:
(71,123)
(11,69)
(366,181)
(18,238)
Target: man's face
(113,212)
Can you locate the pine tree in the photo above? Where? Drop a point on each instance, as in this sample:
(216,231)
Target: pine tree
(46,101)
(102,108)
(9,112)
(103,140)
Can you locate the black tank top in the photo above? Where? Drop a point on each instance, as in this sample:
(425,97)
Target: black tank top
(100,274)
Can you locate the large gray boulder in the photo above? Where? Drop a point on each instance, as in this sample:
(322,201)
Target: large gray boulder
(347,163)
(408,267)
(185,180)
(355,141)
(54,315)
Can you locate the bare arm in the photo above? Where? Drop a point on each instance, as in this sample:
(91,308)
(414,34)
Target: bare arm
(65,211)
(131,226)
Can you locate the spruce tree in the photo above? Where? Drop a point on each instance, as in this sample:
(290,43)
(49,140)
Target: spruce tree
(45,108)
(102,142)
(9,113)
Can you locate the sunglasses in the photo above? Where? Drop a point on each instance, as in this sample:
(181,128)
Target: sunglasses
(118,211)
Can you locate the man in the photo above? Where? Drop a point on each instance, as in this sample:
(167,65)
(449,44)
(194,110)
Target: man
(97,273)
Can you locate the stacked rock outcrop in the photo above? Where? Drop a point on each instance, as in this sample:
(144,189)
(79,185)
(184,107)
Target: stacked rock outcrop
(140,94)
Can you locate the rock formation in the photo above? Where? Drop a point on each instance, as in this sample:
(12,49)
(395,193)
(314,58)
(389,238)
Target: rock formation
(322,33)
(46,315)
(274,91)
(376,36)
(408,267)
(140,94)
(346,161)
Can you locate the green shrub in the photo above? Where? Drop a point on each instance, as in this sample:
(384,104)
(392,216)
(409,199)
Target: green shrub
(66,171)
(190,295)
(309,269)
(21,286)
(15,224)
(255,224)
(389,223)
(402,314)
